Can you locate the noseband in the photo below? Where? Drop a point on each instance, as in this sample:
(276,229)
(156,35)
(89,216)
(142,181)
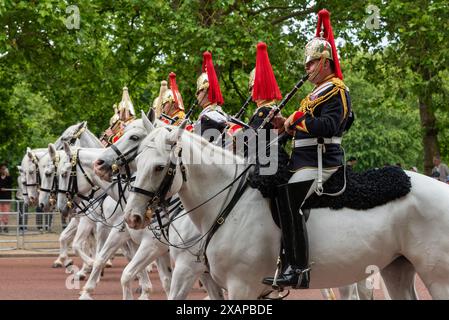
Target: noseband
(54,187)
(72,188)
(122,159)
(158,197)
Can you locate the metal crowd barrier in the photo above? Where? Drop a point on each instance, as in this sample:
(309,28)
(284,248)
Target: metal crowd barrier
(27,229)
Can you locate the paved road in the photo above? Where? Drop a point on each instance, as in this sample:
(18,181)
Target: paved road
(32,278)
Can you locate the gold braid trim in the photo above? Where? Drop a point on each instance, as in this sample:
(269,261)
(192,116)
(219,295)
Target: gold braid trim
(181,115)
(308,106)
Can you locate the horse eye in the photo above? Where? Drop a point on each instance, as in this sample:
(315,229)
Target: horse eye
(159,168)
(134,138)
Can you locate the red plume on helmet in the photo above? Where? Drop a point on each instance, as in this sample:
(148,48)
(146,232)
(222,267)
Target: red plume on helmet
(325,21)
(265,85)
(175,90)
(214,87)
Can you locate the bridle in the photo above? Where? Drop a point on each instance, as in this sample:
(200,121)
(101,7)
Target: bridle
(72,188)
(35,161)
(158,197)
(122,159)
(54,187)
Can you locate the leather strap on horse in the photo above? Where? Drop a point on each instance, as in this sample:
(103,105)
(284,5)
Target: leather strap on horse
(243,184)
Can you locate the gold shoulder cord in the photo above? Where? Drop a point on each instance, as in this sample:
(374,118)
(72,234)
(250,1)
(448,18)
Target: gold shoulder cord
(308,106)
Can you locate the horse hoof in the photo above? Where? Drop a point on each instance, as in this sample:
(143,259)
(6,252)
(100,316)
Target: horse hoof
(138,290)
(144,296)
(68,263)
(57,264)
(85,296)
(108,264)
(81,276)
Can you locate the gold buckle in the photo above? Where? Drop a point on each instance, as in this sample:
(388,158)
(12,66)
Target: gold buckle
(220,220)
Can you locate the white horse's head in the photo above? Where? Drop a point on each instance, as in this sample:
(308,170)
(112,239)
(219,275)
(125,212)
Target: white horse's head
(64,173)
(75,177)
(124,150)
(32,175)
(155,162)
(21,182)
(48,167)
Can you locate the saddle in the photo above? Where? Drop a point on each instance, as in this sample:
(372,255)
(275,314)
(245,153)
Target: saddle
(364,190)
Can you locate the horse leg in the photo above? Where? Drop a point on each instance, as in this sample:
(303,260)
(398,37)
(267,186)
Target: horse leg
(365,292)
(113,242)
(81,238)
(130,249)
(67,235)
(101,237)
(213,289)
(435,278)
(147,252)
(182,281)
(165,271)
(239,290)
(399,279)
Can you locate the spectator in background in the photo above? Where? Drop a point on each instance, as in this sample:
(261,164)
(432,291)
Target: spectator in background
(352,161)
(440,170)
(414,169)
(5,206)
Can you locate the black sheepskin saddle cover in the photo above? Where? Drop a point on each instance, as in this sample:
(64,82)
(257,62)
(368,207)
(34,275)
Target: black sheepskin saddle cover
(266,184)
(364,190)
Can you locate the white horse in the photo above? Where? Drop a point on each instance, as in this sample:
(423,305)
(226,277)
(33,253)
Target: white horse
(112,216)
(78,133)
(343,243)
(125,151)
(187,269)
(46,161)
(150,248)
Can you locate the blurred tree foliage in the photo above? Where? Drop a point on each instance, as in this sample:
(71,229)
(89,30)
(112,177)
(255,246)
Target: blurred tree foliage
(54,75)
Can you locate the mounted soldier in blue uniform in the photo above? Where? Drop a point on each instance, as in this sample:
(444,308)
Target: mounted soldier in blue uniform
(317,128)
(210,99)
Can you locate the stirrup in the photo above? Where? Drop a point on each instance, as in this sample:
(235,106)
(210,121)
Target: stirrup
(300,276)
(276,276)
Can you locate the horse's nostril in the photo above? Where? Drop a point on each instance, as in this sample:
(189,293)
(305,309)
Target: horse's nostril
(99,162)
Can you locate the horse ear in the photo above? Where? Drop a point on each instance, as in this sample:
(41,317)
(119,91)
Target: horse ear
(67,149)
(174,136)
(151,115)
(29,153)
(148,125)
(52,151)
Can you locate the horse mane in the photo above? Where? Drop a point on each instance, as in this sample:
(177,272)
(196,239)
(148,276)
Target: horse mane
(94,137)
(69,133)
(199,144)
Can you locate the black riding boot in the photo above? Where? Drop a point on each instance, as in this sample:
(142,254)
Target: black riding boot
(294,235)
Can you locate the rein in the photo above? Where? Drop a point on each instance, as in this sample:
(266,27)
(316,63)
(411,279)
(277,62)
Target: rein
(72,188)
(158,198)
